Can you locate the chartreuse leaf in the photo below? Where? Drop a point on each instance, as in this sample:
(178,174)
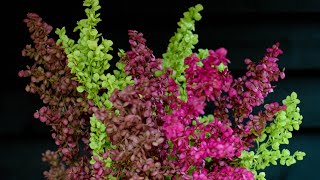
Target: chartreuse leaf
(203,53)
(89,57)
(277,133)
(206,119)
(180,46)
(99,141)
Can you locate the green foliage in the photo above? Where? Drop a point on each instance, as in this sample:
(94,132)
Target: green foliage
(221,67)
(203,53)
(181,45)
(274,135)
(170,144)
(89,58)
(206,119)
(170,156)
(110,177)
(99,141)
(208,159)
(190,171)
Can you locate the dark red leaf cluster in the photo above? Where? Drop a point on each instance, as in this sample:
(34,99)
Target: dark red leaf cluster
(65,110)
(136,128)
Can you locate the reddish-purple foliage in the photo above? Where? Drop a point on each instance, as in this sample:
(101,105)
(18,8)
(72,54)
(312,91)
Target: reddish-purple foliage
(137,127)
(221,173)
(156,134)
(249,91)
(66,110)
(221,140)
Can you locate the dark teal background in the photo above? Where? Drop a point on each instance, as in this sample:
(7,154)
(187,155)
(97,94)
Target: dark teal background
(245,27)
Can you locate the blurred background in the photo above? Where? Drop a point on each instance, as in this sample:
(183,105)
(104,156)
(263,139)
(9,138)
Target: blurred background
(244,27)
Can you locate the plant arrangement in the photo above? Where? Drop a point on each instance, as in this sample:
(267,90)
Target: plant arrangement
(146,119)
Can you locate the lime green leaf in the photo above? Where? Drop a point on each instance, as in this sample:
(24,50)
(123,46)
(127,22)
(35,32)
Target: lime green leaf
(92,44)
(80,89)
(96,77)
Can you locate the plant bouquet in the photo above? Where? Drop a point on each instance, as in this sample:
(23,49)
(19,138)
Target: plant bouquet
(145,119)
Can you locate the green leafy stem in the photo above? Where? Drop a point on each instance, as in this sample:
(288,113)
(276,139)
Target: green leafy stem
(89,59)
(180,46)
(268,144)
